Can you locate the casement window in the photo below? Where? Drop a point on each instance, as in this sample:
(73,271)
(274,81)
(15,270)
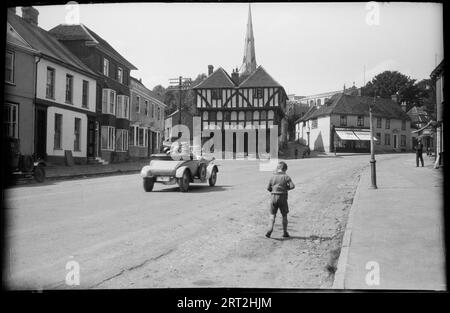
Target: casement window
(77,133)
(212,116)
(50,86)
(403,124)
(360,121)
(258,93)
(387,139)
(159,113)
(378,136)
(11,120)
(314,123)
(105,67)
(388,123)
(85,94)
(378,122)
(146,108)
(343,121)
(9,67)
(108,101)
(123,106)
(216,94)
(152,109)
(120,75)
(121,140)
(57,138)
(137,104)
(69,88)
(403,140)
(108,138)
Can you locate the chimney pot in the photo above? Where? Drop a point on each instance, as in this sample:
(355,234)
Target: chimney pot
(210,69)
(30,15)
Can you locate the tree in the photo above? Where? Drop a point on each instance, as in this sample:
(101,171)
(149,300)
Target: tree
(390,83)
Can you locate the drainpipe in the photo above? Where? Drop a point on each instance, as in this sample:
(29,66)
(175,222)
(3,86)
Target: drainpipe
(36,61)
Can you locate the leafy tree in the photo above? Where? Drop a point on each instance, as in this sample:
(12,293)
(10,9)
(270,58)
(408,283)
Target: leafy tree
(390,83)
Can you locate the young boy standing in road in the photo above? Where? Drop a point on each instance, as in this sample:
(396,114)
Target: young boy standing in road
(279,185)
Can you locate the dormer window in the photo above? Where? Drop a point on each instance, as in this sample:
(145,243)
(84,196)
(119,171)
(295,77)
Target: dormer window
(105,67)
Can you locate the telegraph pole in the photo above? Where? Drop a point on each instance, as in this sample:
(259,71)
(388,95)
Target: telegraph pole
(179,84)
(372,150)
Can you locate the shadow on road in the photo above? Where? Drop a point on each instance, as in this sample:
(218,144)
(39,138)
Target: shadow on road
(320,238)
(196,189)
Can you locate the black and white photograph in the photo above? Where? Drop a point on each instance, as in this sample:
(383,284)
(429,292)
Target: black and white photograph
(208,145)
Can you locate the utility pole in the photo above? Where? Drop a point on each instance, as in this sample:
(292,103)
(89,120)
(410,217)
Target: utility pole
(372,150)
(179,84)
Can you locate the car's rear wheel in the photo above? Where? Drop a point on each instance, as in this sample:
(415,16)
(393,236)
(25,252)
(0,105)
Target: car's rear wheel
(39,174)
(148,184)
(213,178)
(183,182)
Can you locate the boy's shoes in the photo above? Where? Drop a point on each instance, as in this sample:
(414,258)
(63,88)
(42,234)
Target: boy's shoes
(286,235)
(268,234)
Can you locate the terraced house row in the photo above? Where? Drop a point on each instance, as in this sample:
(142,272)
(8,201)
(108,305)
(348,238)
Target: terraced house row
(68,91)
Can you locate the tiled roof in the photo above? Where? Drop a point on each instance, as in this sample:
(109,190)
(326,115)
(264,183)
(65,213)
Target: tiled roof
(148,91)
(82,32)
(46,44)
(259,78)
(418,115)
(218,79)
(359,105)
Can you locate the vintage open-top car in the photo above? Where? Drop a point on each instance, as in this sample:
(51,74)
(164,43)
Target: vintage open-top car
(180,168)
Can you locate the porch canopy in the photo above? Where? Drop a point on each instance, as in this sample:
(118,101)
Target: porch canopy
(354,134)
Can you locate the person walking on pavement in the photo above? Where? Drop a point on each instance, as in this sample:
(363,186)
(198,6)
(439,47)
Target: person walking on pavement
(419,151)
(279,185)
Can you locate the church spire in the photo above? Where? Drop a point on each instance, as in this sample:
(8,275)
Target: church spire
(249,62)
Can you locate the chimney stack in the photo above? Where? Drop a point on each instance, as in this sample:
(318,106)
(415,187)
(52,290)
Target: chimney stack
(30,15)
(394,98)
(235,77)
(404,106)
(210,69)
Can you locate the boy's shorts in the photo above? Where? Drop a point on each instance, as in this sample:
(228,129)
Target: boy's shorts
(279,201)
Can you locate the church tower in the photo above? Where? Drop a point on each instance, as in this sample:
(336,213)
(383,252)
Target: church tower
(249,62)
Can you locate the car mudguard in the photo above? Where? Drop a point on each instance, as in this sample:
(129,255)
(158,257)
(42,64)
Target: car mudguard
(209,170)
(145,171)
(180,171)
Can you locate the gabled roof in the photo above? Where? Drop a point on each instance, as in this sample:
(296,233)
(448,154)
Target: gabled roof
(359,105)
(418,115)
(149,92)
(46,44)
(218,79)
(81,32)
(259,78)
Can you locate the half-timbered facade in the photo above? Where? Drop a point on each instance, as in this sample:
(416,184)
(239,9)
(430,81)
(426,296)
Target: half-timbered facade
(249,99)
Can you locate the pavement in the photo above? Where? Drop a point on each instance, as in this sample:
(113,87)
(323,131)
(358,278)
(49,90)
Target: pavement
(394,237)
(63,171)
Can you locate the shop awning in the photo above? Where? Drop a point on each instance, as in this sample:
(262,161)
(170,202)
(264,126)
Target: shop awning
(354,135)
(346,135)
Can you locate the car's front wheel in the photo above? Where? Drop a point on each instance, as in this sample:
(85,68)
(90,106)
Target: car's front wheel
(213,178)
(148,184)
(39,174)
(183,182)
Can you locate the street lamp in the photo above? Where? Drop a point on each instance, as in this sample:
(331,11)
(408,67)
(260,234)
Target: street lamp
(373,170)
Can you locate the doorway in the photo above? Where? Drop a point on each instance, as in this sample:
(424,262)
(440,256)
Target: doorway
(90,138)
(40,139)
(395,142)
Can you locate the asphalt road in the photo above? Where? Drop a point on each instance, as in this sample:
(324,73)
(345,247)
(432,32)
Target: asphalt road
(123,237)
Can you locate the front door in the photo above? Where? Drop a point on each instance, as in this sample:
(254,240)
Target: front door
(40,139)
(395,142)
(91,138)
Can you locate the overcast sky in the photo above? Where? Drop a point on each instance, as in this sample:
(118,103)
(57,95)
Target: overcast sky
(307,47)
